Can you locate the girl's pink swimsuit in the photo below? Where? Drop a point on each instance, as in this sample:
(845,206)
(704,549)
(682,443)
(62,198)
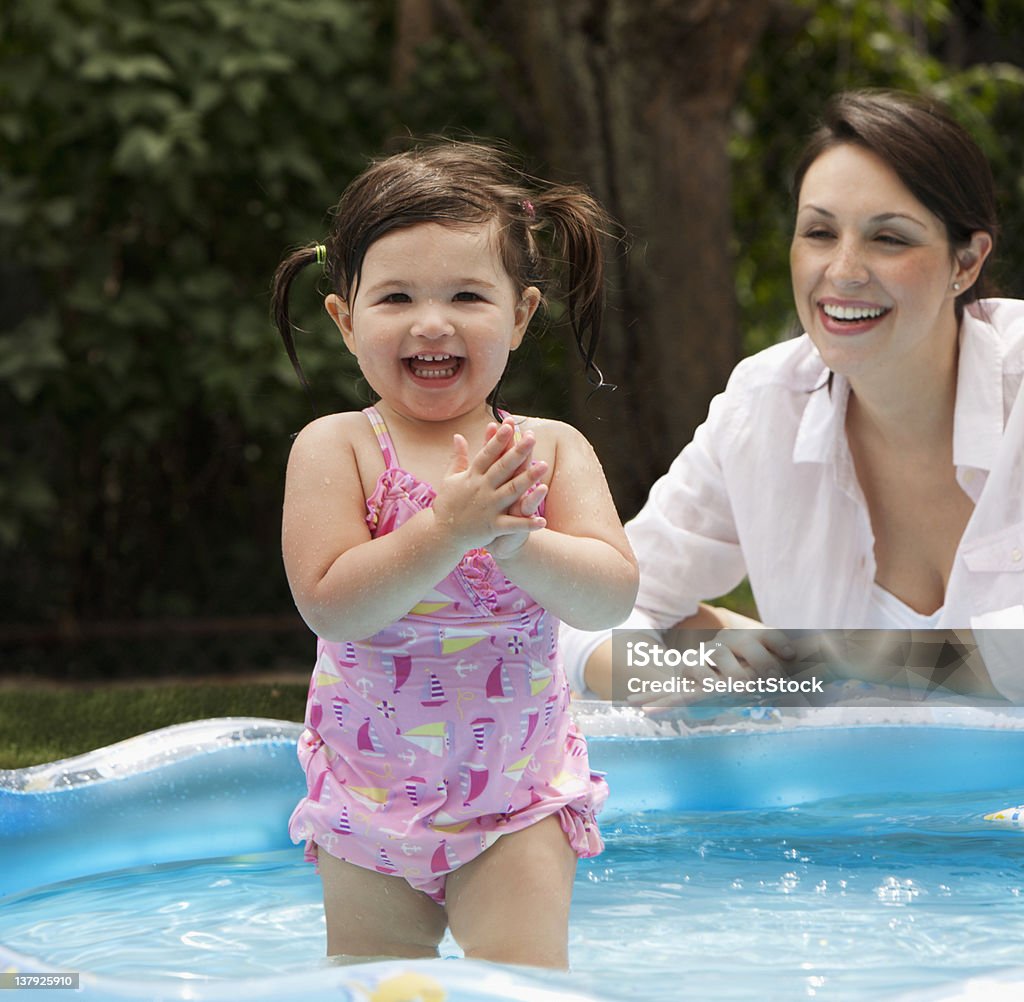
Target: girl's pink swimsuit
(448,729)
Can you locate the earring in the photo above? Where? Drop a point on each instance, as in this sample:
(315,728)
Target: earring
(956,286)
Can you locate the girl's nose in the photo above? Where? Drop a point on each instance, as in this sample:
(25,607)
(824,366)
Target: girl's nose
(431,322)
(847,266)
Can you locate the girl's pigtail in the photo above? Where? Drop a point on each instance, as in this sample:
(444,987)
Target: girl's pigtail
(578,224)
(280,288)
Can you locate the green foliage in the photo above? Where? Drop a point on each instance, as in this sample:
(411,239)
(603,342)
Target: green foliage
(818,49)
(158,158)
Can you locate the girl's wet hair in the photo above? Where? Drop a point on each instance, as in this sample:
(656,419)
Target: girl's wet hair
(937,160)
(549,235)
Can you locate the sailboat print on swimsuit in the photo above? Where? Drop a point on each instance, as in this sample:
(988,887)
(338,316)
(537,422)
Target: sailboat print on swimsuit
(435,738)
(460,638)
(483,728)
(516,769)
(499,686)
(434,602)
(374,797)
(344,825)
(528,720)
(398,668)
(367,741)
(540,677)
(414,789)
(473,780)
(433,692)
(444,859)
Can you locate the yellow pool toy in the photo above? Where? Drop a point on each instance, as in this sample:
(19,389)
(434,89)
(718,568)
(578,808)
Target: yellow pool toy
(410,986)
(1010,815)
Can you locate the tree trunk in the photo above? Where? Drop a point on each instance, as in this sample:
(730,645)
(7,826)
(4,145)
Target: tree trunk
(633,99)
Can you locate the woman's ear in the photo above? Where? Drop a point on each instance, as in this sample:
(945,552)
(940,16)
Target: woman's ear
(525,309)
(339,313)
(969,259)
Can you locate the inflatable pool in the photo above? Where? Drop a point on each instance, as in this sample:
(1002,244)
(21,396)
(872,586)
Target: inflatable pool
(830,855)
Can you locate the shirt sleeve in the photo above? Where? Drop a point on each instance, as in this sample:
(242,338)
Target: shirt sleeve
(576,646)
(685,537)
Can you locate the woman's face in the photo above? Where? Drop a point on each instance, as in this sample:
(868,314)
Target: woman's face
(872,268)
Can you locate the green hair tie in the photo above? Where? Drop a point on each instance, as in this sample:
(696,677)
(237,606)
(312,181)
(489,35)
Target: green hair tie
(321,253)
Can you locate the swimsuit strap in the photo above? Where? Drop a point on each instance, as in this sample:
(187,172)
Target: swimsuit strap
(387,447)
(516,433)
(380,429)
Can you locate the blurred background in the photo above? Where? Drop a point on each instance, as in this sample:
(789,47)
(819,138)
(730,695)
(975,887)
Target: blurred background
(157,157)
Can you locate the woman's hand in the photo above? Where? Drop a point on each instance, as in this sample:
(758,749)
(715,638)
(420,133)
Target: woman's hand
(484,500)
(737,648)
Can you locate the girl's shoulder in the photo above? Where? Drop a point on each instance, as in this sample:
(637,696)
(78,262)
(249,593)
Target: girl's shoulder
(554,437)
(346,427)
(338,442)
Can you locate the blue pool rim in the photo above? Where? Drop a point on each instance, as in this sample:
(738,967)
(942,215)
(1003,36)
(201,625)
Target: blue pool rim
(178,794)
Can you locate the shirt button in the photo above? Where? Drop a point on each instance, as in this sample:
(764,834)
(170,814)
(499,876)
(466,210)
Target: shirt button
(1015,555)
(969,477)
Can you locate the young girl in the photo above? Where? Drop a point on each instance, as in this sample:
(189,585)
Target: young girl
(433,548)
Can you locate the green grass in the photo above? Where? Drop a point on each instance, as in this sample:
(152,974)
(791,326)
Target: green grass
(42,725)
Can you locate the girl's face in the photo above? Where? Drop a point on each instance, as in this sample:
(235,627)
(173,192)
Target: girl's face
(434,318)
(873,269)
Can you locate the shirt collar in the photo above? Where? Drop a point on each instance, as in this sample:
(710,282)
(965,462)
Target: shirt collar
(822,426)
(977,418)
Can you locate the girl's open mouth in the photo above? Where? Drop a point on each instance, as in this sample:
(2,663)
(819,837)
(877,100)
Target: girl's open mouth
(436,366)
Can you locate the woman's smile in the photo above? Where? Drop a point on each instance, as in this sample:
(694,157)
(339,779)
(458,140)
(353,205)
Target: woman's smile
(845,318)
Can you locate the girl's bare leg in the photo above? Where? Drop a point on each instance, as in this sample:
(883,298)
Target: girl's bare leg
(511,903)
(376,915)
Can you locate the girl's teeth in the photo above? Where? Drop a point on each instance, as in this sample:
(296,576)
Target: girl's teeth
(852,312)
(432,373)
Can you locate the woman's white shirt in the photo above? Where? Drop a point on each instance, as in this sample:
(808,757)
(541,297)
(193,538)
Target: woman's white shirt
(767,489)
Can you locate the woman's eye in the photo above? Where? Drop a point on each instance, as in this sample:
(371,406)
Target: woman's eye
(818,234)
(893,241)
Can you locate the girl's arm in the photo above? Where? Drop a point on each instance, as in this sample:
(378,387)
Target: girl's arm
(347,585)
(581,567)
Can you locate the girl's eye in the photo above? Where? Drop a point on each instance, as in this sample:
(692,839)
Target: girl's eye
(466,297)
(396,297)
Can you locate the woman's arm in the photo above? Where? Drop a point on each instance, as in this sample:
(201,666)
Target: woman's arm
(748,648)
(580,568)
(347,585)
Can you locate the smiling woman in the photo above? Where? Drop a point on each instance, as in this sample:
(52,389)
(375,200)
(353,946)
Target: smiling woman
(866,474)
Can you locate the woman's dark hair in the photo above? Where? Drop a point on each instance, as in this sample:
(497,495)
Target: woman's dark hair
(936,159)
(462,183)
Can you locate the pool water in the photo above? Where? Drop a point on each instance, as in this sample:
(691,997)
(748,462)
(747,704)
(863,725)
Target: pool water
(849,898)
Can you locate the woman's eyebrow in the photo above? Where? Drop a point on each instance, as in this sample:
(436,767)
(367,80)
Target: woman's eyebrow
(882,217)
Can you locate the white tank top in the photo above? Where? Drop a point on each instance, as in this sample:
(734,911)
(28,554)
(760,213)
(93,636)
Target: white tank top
(886,612)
